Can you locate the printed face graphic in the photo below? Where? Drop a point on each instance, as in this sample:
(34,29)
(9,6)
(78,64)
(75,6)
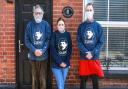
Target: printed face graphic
(89,34)
(38,35)
(62,46)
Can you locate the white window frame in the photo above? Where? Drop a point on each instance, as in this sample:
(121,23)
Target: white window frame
(107,24)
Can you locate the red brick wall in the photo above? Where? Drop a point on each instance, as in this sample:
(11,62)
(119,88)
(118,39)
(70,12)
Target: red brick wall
(7,43)
(72,25)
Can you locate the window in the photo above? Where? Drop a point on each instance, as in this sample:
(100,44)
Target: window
(113,16)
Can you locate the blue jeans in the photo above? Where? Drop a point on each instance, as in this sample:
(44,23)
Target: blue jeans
(60,76)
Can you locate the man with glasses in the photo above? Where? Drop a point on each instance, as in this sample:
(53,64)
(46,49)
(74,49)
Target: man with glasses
(37,36)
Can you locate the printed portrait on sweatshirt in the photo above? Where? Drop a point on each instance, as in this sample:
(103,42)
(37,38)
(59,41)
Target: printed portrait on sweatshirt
(62,46)
(37,36)
(89,35)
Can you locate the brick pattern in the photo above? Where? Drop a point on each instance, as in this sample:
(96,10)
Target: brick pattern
(7,43)
(72,25)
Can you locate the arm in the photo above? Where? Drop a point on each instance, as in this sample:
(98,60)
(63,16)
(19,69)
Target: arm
(99,42)
(48,34)
(28,43)
(79,41)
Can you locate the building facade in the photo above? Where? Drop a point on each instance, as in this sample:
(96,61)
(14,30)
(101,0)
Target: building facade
(113,16)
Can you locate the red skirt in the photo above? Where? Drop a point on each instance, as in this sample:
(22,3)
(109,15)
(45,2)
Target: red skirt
(90,67)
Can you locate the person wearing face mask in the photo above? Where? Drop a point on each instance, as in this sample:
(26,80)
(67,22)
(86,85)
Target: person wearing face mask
(37,37)
(90,40)
(61,49)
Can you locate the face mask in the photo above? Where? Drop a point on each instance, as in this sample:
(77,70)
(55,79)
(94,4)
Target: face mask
(38,19)
(89,15)
(61,29)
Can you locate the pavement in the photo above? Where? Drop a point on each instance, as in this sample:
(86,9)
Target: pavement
(68,87)
(99,88)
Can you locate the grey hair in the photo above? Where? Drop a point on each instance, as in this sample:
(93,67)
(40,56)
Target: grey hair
(36,7)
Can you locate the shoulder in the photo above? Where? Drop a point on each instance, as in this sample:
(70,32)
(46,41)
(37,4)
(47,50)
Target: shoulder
(30,23)
(98,26)
(45,22)
(54,33)
(68,33)
(83,23)
(97,23)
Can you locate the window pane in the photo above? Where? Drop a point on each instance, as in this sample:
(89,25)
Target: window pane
(118,42)
(118,10)
(117,48)
(100,7)
(103,50)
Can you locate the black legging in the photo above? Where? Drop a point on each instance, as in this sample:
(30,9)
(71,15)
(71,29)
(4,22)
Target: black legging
(83,80)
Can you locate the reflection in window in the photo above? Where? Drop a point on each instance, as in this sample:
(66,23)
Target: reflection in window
(117,47)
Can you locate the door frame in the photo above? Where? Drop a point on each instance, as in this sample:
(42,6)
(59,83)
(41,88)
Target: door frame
(17,16)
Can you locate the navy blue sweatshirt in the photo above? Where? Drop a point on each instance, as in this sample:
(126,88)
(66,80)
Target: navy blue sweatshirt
(61,48)
(90,38)
(37,36)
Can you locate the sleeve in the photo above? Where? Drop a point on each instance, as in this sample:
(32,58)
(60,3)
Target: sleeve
(28,43)
(79,41)
(69,51)
(48,36)
(53,50)
(100,41)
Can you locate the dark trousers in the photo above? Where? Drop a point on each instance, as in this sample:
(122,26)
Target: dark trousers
(83,80)
(39,74)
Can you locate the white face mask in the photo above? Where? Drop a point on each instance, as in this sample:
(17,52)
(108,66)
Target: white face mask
(38,15)
(89,15)
(61,27)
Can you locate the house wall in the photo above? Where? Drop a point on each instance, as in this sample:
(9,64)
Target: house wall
(72,25)
(7,43)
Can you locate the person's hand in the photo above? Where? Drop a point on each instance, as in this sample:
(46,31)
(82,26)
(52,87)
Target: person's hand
(38,52)
(63,64)
(89,55)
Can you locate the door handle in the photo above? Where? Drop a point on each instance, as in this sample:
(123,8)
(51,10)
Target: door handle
(20,46)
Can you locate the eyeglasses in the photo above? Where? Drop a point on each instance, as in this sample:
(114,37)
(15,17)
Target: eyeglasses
(38,13)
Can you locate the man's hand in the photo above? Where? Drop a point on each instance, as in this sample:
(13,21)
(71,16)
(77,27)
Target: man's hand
(63,64)
(89,55)
(38,52)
